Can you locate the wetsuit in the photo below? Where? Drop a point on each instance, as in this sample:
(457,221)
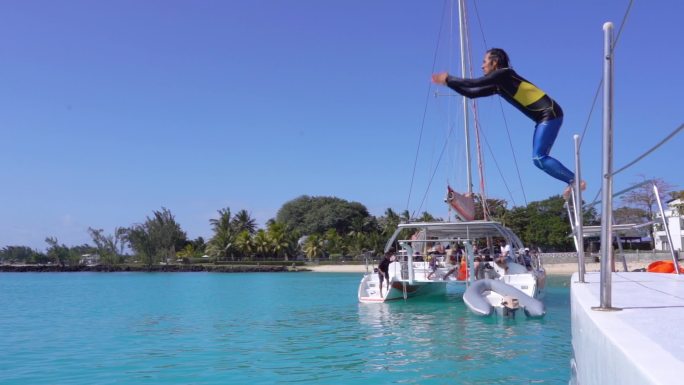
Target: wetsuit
(531,101)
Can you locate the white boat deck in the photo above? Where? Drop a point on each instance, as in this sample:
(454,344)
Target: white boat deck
(641,344)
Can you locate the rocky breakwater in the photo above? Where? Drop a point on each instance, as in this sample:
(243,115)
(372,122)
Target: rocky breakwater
(160,268)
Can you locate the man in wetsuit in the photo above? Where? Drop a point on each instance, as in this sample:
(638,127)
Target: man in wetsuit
(534,103)
(383,270)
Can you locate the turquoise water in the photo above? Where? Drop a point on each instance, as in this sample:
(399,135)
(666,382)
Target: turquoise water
(271,328)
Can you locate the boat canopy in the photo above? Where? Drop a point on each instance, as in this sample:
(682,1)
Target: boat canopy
(458,231)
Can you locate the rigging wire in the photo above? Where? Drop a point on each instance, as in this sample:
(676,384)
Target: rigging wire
(503,115)
(427,99)
(515,158)
(498,168)
(434,171)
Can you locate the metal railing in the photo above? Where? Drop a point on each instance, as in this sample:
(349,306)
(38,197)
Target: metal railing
(607,220)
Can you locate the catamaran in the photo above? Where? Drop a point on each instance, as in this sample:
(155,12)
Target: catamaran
(434,256)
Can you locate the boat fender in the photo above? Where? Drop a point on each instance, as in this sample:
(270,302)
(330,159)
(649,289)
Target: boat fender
(476,300)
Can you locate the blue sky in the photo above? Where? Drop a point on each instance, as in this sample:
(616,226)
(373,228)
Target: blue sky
(110,110)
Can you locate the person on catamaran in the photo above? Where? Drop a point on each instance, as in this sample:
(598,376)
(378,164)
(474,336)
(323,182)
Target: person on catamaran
(383,270)
(500,78)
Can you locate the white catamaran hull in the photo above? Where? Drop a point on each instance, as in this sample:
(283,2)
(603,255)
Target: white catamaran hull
(639,344)
(369,289)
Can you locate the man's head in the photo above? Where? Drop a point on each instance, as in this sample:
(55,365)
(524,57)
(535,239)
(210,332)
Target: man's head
(495,58)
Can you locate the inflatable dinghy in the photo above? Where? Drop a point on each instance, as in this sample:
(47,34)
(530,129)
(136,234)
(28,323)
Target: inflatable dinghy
(508,300)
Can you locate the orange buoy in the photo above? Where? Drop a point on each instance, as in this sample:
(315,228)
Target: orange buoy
(663,267)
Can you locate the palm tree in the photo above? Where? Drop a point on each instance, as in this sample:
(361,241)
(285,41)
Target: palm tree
(244,244)
(221,244)
(223,221)
(242,221)
(334,242)
(314,246)
(357,236)
(389,222)
(262,245)
(280,244)
(187,252)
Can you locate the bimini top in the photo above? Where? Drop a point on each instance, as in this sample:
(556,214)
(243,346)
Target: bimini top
(454,231)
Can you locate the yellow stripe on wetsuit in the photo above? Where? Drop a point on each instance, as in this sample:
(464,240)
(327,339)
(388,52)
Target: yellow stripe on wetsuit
(527,94)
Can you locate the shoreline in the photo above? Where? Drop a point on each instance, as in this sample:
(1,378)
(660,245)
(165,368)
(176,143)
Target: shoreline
(563,269)
(551,269)
(146,269)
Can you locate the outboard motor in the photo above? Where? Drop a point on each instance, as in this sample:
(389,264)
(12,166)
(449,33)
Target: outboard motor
(510,305)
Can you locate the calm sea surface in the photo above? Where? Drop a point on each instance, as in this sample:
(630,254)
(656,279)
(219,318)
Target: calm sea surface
(271,328)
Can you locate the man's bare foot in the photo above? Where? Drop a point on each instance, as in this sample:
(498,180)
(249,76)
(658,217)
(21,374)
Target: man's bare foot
(568,189)
(567,192)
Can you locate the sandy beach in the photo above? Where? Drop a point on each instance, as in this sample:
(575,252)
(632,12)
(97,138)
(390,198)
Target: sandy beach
(551,269)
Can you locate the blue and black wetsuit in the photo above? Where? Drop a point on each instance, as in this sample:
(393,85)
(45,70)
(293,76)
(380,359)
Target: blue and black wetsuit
(531,101)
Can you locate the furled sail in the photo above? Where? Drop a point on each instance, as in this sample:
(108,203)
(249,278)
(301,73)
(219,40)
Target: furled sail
(463,204)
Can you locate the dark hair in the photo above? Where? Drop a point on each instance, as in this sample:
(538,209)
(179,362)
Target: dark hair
(500,56)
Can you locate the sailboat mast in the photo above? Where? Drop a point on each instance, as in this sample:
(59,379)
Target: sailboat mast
(466,120)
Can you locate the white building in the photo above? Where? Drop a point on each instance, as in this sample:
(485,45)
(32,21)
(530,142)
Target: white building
(674,213)
(89,260)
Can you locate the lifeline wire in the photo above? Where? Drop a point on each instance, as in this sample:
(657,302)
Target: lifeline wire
(675,132)
(667,138)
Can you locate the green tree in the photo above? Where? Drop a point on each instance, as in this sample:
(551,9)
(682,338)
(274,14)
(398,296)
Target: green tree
(357,238)
(543,223)
(388,223)
(426,217)
(497,209)
(262,244)
(21,254)
(199,245)
(158,238)
(283,244)
(192,248)
(221,245)
(315,215)
(60,253)
(106,245)
(244,245)
(334,242)
(141,243)
(244,222)
(314,247)
(187,252)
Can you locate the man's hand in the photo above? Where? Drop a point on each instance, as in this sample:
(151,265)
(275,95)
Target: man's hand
(440,78)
